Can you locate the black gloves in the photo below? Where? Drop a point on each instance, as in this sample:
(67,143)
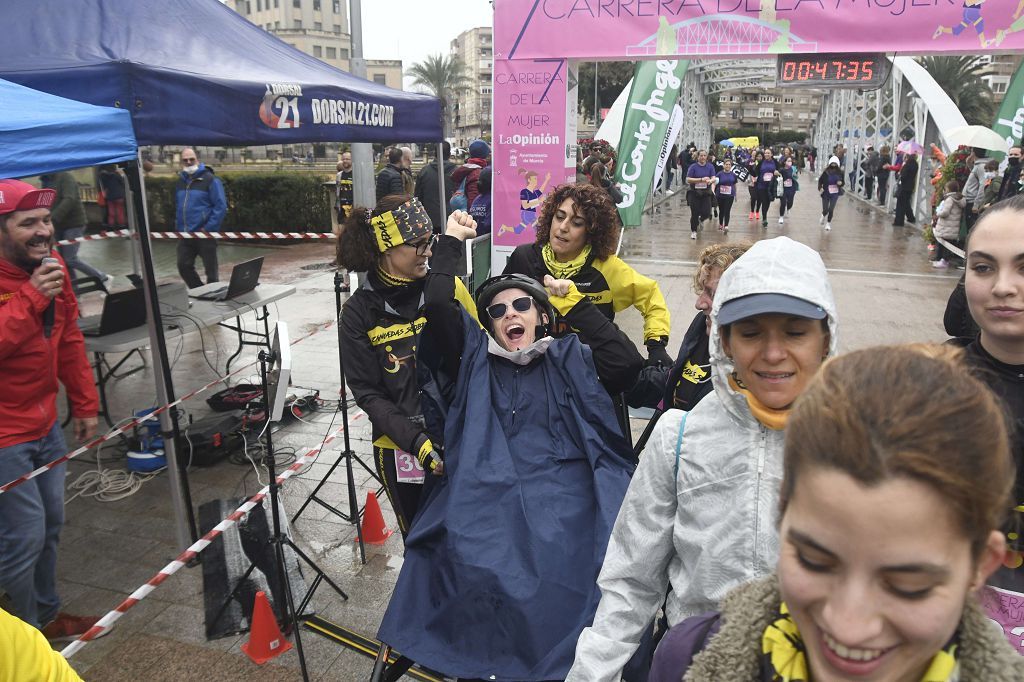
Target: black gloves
(656,353)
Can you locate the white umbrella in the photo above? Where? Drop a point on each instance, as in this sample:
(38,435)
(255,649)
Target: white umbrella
(981,137)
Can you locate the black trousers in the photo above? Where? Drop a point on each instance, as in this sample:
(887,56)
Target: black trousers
(404,497)
(206,249)
(786,202)
(904,210)
(869,186)
(883,187)
(828,205)
(724,209)
(764,202)
(700,209)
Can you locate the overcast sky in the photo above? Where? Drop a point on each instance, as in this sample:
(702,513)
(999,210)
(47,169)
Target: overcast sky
(412,29)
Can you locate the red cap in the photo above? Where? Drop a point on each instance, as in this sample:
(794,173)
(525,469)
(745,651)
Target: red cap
(16,195)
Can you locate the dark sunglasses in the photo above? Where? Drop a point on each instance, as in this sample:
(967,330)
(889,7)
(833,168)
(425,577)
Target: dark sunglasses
(189,160)
(496,311)
(423,246)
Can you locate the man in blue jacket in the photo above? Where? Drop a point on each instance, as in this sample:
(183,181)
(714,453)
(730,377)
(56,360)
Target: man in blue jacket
(201,207)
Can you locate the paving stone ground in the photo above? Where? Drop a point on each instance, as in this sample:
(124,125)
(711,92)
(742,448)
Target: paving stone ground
(886,292)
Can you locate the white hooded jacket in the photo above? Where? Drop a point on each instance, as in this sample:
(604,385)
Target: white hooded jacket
(702,521)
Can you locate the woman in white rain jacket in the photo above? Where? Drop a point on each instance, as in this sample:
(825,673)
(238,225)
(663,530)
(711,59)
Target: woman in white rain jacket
(700,513)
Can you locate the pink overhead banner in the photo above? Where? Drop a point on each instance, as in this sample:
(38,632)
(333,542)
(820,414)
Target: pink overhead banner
(637,29)
(529,145)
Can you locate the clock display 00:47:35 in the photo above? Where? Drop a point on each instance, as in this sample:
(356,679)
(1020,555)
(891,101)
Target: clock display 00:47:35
(866,70)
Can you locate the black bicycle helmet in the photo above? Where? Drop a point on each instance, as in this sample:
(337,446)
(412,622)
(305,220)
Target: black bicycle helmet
(491,287)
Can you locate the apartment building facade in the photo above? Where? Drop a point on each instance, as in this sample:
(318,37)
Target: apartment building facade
(471,114)
(768,110)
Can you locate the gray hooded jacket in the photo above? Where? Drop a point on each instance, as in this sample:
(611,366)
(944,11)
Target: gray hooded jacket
(700,512)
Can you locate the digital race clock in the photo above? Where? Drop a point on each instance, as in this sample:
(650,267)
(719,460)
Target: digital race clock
(863,71)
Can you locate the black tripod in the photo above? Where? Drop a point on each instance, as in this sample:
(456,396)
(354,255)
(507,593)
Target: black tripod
(354,510)
(278,539)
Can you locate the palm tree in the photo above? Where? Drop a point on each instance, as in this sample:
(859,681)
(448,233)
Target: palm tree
(962,78)
(444,76)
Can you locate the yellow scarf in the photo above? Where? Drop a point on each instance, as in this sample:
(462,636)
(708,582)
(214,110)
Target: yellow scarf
(785,657)
(769,416)
(566,270)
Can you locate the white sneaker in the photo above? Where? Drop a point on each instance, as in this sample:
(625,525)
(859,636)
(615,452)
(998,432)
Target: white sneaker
(781,220)
(693,235)
(941,263)
(828,227)
(821,220)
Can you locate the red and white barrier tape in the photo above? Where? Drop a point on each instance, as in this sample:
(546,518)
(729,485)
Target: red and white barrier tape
(110,234)
(152,415)
(202,543)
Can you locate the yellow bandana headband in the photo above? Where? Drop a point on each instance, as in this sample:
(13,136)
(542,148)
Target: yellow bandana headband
(401,225)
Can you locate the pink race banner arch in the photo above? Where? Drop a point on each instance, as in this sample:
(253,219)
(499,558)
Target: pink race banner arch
(535,42)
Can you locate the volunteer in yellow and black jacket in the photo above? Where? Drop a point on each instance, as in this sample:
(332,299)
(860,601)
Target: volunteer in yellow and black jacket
(381,325)
(577,234)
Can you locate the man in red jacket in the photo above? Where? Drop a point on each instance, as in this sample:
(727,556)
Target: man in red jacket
(40,343)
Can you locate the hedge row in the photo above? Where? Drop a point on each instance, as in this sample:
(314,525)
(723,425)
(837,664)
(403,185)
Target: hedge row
(256,201)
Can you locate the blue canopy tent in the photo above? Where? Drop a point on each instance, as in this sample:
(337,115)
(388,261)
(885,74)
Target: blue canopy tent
(196,72)
(40,132)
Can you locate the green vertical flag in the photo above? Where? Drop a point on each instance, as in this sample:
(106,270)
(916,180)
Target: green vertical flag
(1010,119)
(656,87)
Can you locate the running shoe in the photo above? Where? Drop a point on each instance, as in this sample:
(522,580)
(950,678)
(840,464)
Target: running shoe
(757,215)
(821,220)
(941,263)
(828,227)
(781,220)
(693,235)
(725,229)
(764,224)
(751,216)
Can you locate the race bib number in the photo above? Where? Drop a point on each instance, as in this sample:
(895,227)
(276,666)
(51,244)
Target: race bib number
(407,468)
(701,185)
(767,177)
(787,183)
(833,189)
(725,189)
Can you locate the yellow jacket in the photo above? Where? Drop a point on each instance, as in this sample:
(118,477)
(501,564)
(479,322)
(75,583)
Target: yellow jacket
(26,656)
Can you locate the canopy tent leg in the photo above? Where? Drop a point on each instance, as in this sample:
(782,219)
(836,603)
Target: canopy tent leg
(441,189)
(181,497)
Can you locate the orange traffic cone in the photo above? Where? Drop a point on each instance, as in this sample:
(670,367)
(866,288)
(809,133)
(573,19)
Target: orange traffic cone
(265,638)
(375,532)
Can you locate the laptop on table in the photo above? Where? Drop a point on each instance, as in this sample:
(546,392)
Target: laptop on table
(121,310)
(244,278)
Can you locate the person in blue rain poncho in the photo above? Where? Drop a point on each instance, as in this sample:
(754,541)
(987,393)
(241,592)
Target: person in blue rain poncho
(501,561)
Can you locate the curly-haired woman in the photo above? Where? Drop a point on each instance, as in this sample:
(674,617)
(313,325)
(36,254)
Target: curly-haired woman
(380,331)
(577,235)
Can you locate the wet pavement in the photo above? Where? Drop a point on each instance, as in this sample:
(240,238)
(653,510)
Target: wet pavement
(886,292)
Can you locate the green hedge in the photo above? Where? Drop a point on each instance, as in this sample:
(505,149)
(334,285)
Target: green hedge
(256,201)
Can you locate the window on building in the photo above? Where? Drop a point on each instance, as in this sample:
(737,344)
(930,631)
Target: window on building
(723,98)
(259,5)
(318,51)
(332,53)
(337,8)
(788,100)
(380,79)
(318,26)
(343,52)
(277,24)
(297,23)
(297,3)
(999,87)
(803,100)
(337,28)
(248,7)
(277,3)
(803,116)
(316,5)
(788,114)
